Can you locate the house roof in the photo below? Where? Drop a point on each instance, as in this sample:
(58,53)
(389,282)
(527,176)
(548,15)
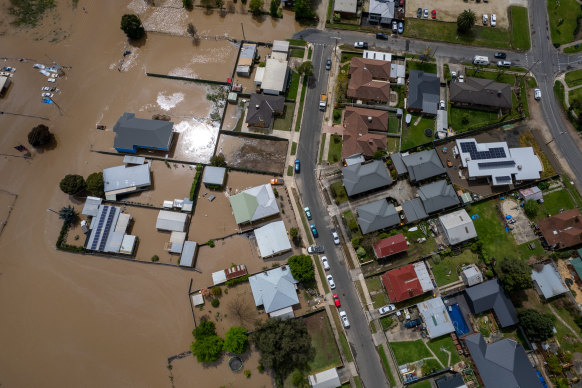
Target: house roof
(577,265)
(376,68)
(437,196)
(490,295)
(188,254)
(131,133)
(214,175)
(452,381)
(262,108)
(254,204)
(548,281)
(102,230)
(398,163)
(458,226)
(366,144)
(272,239)
(366,120)
(563,230)
(274,289)
(359,178)
(435,316)
(121,178)
(172,221)
(377,215)
(275,75)
(480,91)
(281,46)
(361,86)
(423,165)
(407,282)
(356,138)
(247,54)
(91,207)
(413,210)
(390,246)
(424,91)
(502,363)
(384,8)
(347,6)
(378,55)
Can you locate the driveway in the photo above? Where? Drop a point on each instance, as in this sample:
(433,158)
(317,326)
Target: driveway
(522,231)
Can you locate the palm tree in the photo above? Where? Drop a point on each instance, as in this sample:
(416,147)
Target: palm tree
(68,214)
(465,21)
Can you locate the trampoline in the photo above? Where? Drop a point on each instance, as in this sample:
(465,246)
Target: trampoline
(458,321)
(235,363)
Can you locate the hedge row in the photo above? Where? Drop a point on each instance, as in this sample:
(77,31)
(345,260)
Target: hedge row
(63,236)
(235,281)
(195,183)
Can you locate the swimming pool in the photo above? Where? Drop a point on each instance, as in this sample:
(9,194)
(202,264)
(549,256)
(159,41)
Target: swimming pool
(458,321)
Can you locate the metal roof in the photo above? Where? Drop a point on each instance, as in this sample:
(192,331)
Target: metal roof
(413,210)
(272,239)
(281,46)
(91,207)
(348,6)
(423,165)
(359,178)
(491,296)
(275,75)
(254,204)
(458,226)
(188,254)
(130,159)
(171,221)
(124,179)
(378,55)
(326,379)
(435,316)
(214,175)
(377,215)
(103,227)
(437,196)
(383,8)
(274,289)
(547,281)
(132,133)
(423,91)
(128,244)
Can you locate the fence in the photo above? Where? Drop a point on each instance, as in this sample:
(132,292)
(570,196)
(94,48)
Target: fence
(178,78)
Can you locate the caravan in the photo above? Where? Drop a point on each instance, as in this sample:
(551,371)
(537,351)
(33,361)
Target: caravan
(479,60)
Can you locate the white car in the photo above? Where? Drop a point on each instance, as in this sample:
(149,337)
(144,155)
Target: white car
(46,89)
(47,95)
(461,78)
(325,263)
(386,309)
(336,239)
(442,104)
(360,45)
(51,80)
(453,74)
(493,20)
(55,75)
(537,94)
(331,282)
(344,318)
(485,19)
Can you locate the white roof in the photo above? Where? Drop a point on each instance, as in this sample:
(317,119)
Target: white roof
(378,55)
(272,239)
(397,71)
(4,82)
(284,313)
(218,277)
(91,207)
(274,289)
(259,74)
(348,6)
(275,75)
(122,222)
(124,179)
(197,299)
(471,271)
(281,46)
(435,316)
(178,237)
(326,379)
(114,242)
(172,221)
(458,226)
(548,281)
(188,254)
(423,276)
(127,244)
(129,159)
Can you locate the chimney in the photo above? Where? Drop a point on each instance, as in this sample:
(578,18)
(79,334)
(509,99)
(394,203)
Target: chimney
(499,93)
(370,119)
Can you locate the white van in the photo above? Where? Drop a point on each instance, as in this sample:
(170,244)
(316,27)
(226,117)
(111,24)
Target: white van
(479,60)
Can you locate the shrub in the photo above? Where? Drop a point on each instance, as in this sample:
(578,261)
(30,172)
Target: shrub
(236,340)
(489,273)
(188,4)
(531,208)
(216,291)
(544,185)
(247,373)
(215,302)
(195,183)
(337,114)
(218,161)
(260,368)
(235,281)
(210,243)
(72,184)
(356,242)
(131,25)
(361,252)
(275,193)
(155,258)
(302,268)
(39,136)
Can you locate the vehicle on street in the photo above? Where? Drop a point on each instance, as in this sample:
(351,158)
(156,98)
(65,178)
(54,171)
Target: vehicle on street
(336,239)
(461,78)
(419,13)
(46,89)
(47,95)
(344,318)
(336,300)
(503,64)
(277,181)
(537,94)
(328,64)
(314,230)
(453,74)
(480,60)
(323,102)
(412,323)
(442,105)
(394,26)
(485,19)
(493,20)
(315,249)
(360,45)
(307,212)
(331,282)
(386,309)
(425,14)
(297,165)
(325,263)
(500,55)
(400,27)
(381,35)
(433,14)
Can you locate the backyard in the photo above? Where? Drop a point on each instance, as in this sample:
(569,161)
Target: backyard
(446,343)
(563,17)
(413,135)
(283,122)
(462,119)
(556,201)
(409,351)
(446,269)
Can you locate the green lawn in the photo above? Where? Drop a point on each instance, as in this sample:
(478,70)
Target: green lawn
(293,148)
(447,343)
(575,94)
(393,144)
(346,57)
(334,153)
(386,322)
(525,252)
(374,283)
(300,111)
(409,351)
(379,300)
(284,122)
(337,116)
(393,124)
(326,351)
(309,53)
(573,78)
(463,119)
(531,82)
(321,147)
(386,364)
(427,67)
(339,192)
(573,49)
(557,200)
(293,86)
(572,189)
(445,271)
(297,53)
(349,217)
(346,347)
(563,19)
(447,32)
(519,28)
(413,135)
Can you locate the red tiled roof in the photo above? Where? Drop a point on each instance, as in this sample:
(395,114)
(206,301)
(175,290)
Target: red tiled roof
(390,246)
(378,69)
(402,283)
(562,230)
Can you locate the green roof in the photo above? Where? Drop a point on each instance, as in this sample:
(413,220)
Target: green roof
(577,264)
(244,206)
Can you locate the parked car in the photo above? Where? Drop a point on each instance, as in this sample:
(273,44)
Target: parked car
(344,318)
(394,26)
(297,165)
(537,94)
(328,64)
(51,80)
(425,14)
(493,20)
(412,323)
(461,78)
(360,45)
(45,89)
(400,27)
(433,14)
(315,249)
(325,263)
(386,309)
(277,181)
(49,95)
(307,212)
(381,35)
(314,230)
(336,300)
(453,74)
(442,105)
(331,282)
(500,55)
(336,239)
(503,63)
(485,19)
(419,13)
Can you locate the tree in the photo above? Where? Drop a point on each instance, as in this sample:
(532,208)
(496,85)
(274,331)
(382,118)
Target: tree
(302,268)
(207,3)
(299,380)
(188,4)
(191,30)
(39,136)
(303,10)
(293,232)
(465,21)
(256,7)
(204,329)
(515,274)
(218,161)
(306,68)
(72,184)
(531,208)
(285,345)
(220,3)
(95,184)
(131,25)
(68,214)
(207,349)
(274,8)
(538,327)
(554,364)
(236,340)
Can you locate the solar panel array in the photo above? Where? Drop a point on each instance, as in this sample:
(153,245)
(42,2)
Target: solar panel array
(503,179)
(103,227)
(503,163)
(491,153)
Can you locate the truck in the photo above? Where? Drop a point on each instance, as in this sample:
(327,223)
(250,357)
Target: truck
(323,102)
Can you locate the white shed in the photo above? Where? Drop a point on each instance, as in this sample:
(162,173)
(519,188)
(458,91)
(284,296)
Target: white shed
(471,275)
(171,221)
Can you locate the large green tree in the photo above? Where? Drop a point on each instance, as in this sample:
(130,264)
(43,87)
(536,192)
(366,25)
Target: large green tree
(39,136)
(131,25)
(538,327)
(465,21)
(72,184)
(204,329)
(207,349)
(95,184)
(285,345)
(274,7)
(515,274)
(306,68)
(303,10)
(531,208)
(256,7)
(236,340)
(302,268)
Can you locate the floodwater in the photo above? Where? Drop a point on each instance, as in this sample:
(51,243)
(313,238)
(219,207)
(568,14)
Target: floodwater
(87,320)
(253,153)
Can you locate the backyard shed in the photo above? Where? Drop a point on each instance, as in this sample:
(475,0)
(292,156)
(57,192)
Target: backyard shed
(458,227)
(128,244)
(547,281)
(214,176)
(326,379)
(272,239)
(533,193)
(91,207)
(171,221)
(188,254)
(471,275)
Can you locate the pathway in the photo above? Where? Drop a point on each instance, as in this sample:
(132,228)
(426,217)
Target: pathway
(433,355)
(564,322)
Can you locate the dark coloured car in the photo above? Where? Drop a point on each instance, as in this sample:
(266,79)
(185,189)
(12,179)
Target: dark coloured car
(500,55)
(412,323)
(315,249)
(419,13)
(328,64)
(314,230)
(381,35)
(297,165)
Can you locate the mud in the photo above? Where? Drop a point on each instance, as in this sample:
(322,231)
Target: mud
(254,154)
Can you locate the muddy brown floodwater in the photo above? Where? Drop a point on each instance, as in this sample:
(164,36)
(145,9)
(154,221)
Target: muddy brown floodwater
(91,321)
(253,153)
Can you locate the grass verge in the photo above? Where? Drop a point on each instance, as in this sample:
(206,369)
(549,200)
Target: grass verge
(300,111)
(289,170)
(301,213)
(519,28)
(293,148)
(386,364)
(334,153)
(346,347)
(573,78)
(321,273)
(321,147)
(528,140)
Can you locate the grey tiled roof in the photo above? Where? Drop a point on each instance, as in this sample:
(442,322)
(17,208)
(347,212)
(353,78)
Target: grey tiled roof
(423,165)
(359,178)
(437,196)
(424,91)
(377,215)
(413,210)
(132,132)
(491,296)
(398,163)
(262,108)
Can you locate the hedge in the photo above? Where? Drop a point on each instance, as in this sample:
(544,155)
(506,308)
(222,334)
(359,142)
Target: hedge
(63,236)
(195,183)
(235,281)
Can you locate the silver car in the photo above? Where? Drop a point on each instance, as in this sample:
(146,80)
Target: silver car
(386,309)
(331,282)
(344,318)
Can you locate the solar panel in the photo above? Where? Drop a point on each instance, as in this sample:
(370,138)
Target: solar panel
(491,153)
(504,163)
(503,179)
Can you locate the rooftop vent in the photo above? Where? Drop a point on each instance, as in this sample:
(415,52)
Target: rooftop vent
(370,118)
(257,106)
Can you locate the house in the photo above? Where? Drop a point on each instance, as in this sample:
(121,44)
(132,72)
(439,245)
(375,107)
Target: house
(280,50)
(378,55)
(457,227)
(214,176)
(471,275)
(564,230)
(262,110)
(491,296)
(398,164)
(246,58)
(254,204)
(381,11)
(414,210)
(232,272)
(407,282)
(356,136)
(502,363)
(188,256)
(422,165)
(498,163)
(272,239)
(534,193)
(325,379)
(4,84)
(346,8)
(378,69)
(424,91)
(107,232)
(132,133)
(547,281)
(437,196)
(363,177)
(274,79)
(482,94)
(390,246)
(369,80)
(451,381)
(377,215)
(121,180)
(276,291)
(171,221)
(435,316)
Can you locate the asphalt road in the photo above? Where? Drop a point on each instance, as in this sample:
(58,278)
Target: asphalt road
(359,335)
